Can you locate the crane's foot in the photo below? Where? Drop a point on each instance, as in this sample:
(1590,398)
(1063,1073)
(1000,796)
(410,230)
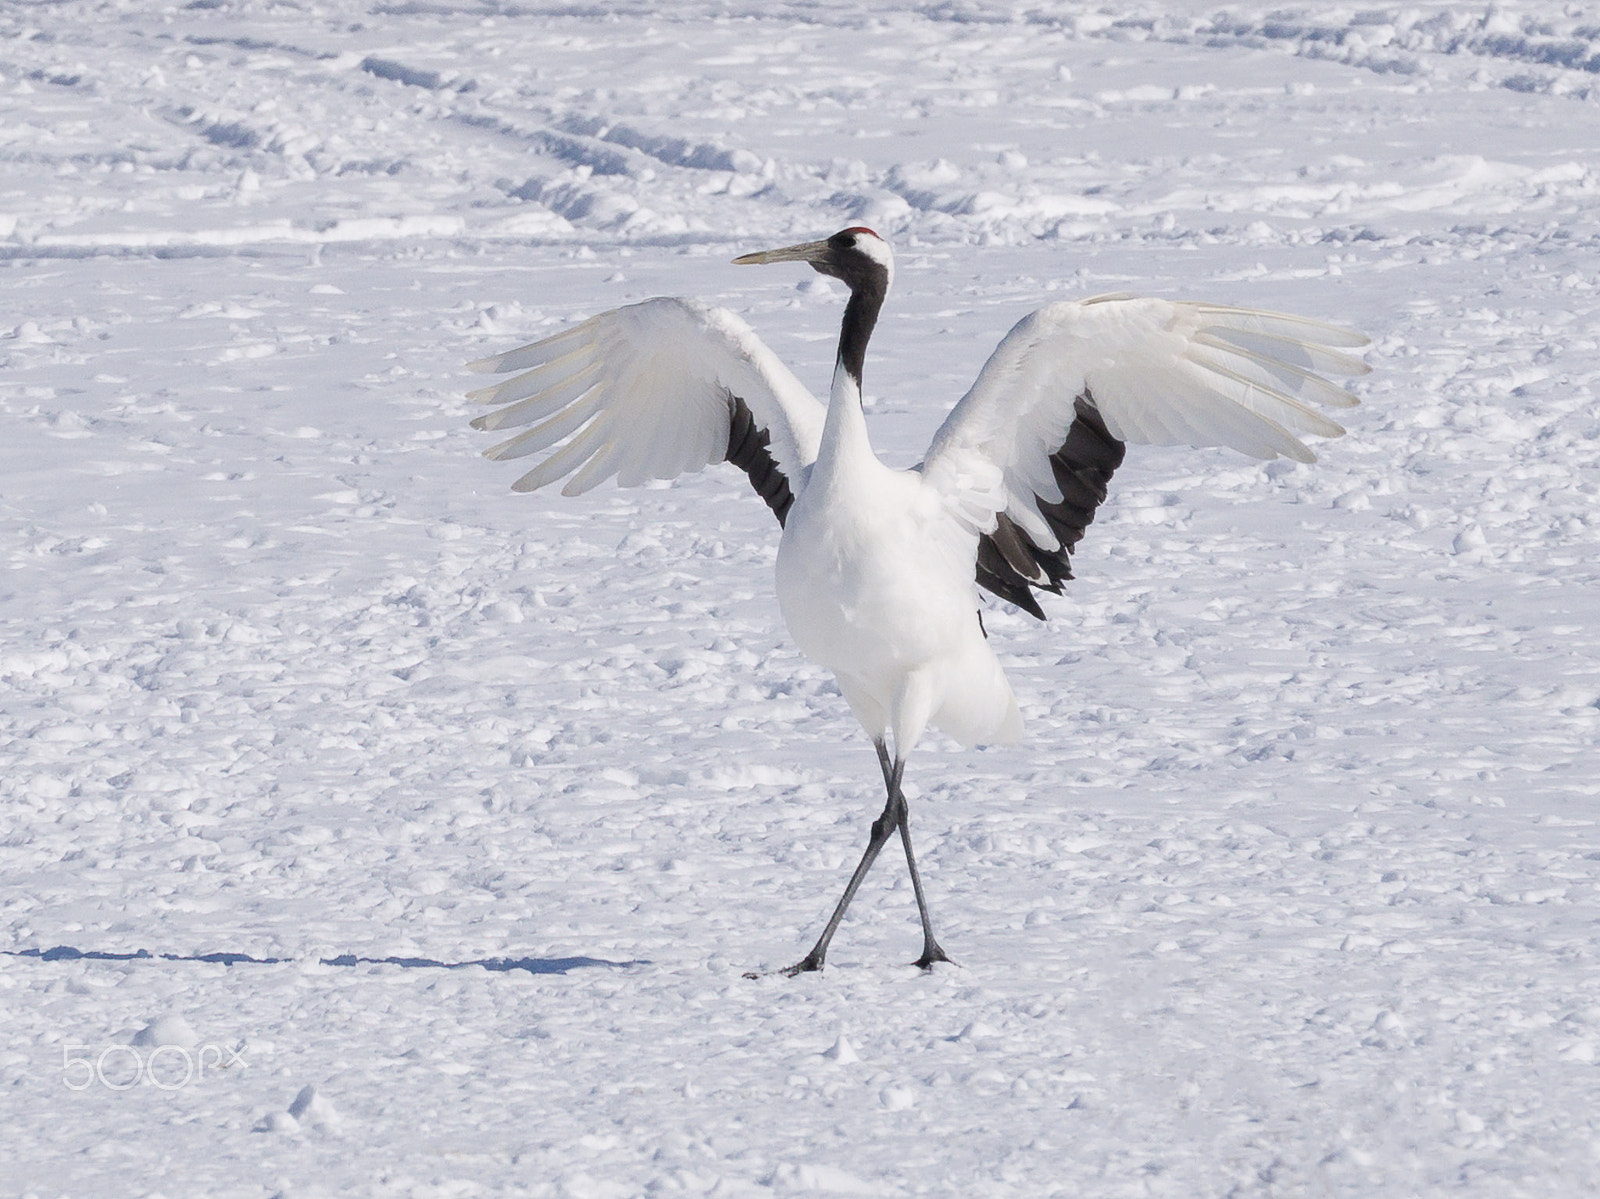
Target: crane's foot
(931,953)
(806,965)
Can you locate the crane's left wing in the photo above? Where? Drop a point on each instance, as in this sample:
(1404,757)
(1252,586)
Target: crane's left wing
(1025,456)
(652,391)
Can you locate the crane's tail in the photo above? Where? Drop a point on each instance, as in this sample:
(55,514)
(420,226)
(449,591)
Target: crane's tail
(978,707)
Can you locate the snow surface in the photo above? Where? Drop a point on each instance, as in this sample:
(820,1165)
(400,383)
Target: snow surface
(448,819)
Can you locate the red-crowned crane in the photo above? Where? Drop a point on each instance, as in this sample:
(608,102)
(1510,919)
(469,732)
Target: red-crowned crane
(878,568)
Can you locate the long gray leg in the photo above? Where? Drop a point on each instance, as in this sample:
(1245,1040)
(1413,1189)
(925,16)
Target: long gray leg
(892,818)
(892,774)
(896,815)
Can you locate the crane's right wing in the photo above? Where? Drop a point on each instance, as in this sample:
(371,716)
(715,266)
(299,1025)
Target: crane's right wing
(1024,458)
(652,391)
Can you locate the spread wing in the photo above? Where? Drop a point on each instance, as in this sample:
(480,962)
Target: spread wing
(652,391)
(1026,455)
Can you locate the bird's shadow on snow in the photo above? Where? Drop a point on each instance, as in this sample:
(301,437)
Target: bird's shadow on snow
(67,953)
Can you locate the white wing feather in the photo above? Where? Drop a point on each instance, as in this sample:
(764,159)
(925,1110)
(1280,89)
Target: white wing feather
(1160,372)
(641,393)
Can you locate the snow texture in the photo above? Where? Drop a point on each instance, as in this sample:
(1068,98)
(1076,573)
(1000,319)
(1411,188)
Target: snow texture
(433,826)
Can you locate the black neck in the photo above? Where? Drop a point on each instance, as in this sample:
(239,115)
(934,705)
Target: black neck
(860,316)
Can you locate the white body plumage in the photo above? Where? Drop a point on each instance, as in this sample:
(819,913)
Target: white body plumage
(875,581)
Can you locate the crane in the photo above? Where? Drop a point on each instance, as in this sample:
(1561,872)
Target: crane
(877,568)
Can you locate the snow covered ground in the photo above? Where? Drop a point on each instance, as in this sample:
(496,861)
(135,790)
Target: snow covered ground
(467,810)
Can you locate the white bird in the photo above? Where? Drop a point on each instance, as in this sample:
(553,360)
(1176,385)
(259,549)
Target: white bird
(878,569)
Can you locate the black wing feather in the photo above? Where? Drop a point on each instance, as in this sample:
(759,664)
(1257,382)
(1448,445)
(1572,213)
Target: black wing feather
(1009,563)
(747,449)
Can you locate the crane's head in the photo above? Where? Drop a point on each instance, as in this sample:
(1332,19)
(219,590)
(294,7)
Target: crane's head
(857,256)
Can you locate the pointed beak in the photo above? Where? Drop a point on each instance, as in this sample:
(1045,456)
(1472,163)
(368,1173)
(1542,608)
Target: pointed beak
(806,251)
